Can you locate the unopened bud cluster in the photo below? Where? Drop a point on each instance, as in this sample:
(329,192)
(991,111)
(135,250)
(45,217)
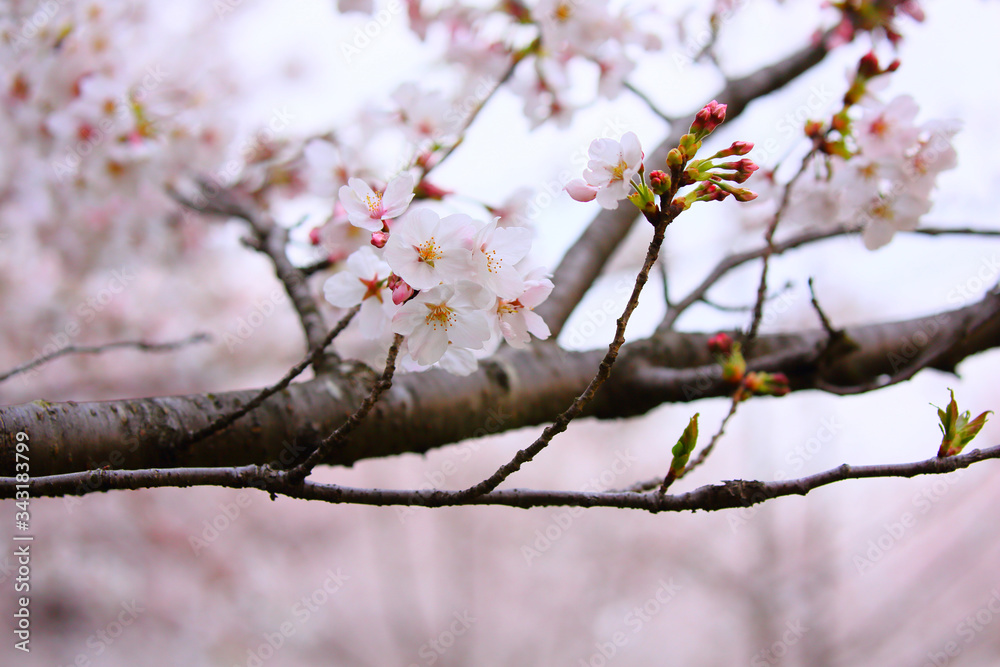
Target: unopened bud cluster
(734,371)
(616,171)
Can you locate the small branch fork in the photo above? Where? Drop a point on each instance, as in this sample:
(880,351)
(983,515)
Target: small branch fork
(660,219)
(728,494)
(271,239)
(312,357)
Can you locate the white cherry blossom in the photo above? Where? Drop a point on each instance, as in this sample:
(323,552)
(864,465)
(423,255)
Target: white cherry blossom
(364,282)
(516,320)
(495,251)
(439,317)
(426,250)
(611,168)
(369,209)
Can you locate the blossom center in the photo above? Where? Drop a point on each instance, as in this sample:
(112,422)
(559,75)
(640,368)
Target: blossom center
(373,288)
(439,316)
(882,210)
(493,263)
(618,171)
(428,252)
(508,307)
(374,202)
(563,12)
(879,127)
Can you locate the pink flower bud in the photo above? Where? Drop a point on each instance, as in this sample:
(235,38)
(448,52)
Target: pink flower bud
(579,190)
(314,236)
(379,238)
(720,343)
(659,182)
(707,119)
(401,292)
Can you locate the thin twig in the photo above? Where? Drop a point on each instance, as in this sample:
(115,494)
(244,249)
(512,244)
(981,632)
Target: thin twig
(660,221)
(271,239)
(744,309)
(472,116)
(662,264)
(297,474)
(98,349)
(726,495)
(758,309)
(824,320)
(311,358)
(927,357)
(649,103)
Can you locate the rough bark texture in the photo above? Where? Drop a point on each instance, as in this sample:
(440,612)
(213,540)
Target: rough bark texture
(432,409)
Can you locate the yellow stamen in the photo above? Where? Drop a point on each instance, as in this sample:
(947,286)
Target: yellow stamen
(440,315)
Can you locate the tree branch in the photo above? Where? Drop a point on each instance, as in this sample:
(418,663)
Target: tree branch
(107,347)
(726,495)
(421,411)
(271,239)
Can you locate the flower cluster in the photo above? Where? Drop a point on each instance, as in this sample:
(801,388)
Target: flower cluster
(882,166)
(450,285)
(734,371)
(616,171)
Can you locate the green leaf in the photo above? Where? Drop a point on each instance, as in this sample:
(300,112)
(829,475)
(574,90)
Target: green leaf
(958,430)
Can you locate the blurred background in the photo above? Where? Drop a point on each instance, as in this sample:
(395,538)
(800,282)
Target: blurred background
(870,572)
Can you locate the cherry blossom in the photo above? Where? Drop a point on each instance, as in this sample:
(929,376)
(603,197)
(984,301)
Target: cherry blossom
(439,317)
(886,215)
(364,282)
(495,251)
(611,168)
(886,131)
(516,320)
(369,209)
(426,250)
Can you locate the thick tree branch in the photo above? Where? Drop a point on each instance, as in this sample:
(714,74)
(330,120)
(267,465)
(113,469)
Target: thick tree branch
(422,411)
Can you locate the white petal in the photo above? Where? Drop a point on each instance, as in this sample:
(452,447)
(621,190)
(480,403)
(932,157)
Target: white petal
(343,289)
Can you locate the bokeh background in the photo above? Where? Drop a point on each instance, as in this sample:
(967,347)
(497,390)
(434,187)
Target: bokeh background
(873,572)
